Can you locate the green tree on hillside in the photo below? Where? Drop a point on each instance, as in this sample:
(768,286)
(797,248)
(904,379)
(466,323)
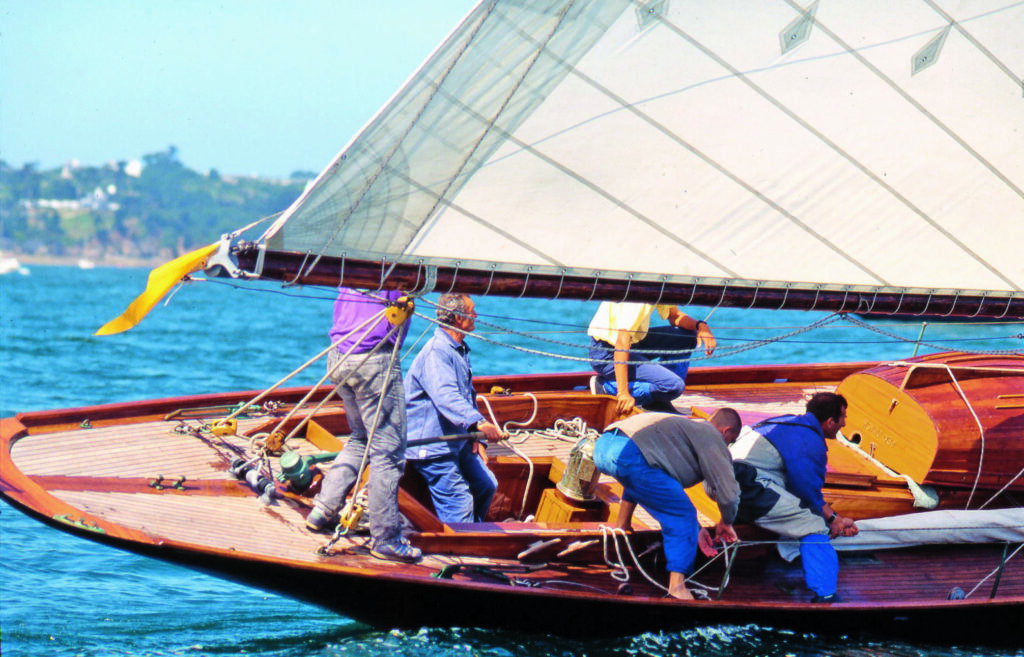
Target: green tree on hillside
(104,211)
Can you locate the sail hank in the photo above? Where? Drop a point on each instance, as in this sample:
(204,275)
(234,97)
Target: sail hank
(620,142)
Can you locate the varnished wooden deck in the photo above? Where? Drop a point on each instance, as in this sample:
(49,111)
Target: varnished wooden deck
(116,483)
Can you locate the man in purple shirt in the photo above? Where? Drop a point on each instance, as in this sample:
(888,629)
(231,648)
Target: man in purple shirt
(440,401)
(370,377)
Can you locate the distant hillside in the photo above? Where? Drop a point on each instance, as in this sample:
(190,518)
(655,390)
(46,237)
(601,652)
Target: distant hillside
(153,210)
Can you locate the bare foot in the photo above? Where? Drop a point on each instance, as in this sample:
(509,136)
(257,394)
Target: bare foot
(681,593)
(677,586)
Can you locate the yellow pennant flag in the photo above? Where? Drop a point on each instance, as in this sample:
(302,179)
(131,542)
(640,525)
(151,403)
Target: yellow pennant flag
(161,279)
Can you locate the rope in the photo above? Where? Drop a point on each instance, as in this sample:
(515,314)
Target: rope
(302,367)
(376,415)
(301,404)
(877,329)
(719,353)
(620,572)
(1003,489)
(924,498)
(981,432)
(508,443)
(994,571)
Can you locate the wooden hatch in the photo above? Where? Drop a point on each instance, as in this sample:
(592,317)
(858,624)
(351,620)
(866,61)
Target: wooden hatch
(945,420)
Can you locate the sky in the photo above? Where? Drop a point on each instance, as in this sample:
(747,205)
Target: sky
(263,87)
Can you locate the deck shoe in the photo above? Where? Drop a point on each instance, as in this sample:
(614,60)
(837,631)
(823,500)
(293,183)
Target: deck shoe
(317,520)
(827,599)
(597,385)
(399,550)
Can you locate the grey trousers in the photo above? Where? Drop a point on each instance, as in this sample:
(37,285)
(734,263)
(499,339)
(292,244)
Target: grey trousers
(360,392)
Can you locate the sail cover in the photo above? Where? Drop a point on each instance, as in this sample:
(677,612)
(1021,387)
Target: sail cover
(839,144)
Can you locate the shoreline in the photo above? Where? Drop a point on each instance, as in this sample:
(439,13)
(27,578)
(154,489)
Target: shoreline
(76,261)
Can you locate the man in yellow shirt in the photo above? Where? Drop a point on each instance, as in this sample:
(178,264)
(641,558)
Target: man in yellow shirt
(624,347)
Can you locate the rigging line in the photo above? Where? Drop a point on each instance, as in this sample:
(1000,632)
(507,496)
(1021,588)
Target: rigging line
(719,353)
(757,288)
(241,409)
(952,306)
(928,303)
(994,571)
(579,328)
(1007,308)
(593,290)
(298,273)
(455,276)
(419,270)
(509,95)
(1003,489)
(510,445)
(973,41)
(981,433)
(370,323)
(981,303)
(629,282)
(490,280)
(526,282)
(876,329)
(561,282)
(398,141)
(615,533)
(935,121)
(380,402)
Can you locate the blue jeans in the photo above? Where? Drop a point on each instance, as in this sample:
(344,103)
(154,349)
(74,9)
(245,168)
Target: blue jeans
(360,393)
(655,490)
(461,486)
(648,381)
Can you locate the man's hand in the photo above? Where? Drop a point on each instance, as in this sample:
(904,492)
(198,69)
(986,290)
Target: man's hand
(491,432)
(624,402)
(843,526)
(706,339)
(723,532)
(704,542)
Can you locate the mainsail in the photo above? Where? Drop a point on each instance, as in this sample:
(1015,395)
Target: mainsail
(859,155)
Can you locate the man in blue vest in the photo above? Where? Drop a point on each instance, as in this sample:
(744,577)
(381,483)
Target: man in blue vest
(780,467)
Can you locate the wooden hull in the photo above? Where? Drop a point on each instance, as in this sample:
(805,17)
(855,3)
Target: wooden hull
(113,474)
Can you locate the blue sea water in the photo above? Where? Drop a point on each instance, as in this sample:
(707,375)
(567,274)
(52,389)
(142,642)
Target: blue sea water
(61,595)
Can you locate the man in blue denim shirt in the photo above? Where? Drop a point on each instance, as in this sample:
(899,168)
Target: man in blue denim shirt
(440,401)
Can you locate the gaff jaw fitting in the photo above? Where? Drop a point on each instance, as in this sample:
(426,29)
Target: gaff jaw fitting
(398,311)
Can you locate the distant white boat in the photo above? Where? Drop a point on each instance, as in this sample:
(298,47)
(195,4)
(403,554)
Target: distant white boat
(10,264)
(85,263)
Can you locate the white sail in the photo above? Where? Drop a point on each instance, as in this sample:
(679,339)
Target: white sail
(846,144)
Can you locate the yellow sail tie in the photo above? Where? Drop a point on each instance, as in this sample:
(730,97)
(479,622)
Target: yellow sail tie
(161,279)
